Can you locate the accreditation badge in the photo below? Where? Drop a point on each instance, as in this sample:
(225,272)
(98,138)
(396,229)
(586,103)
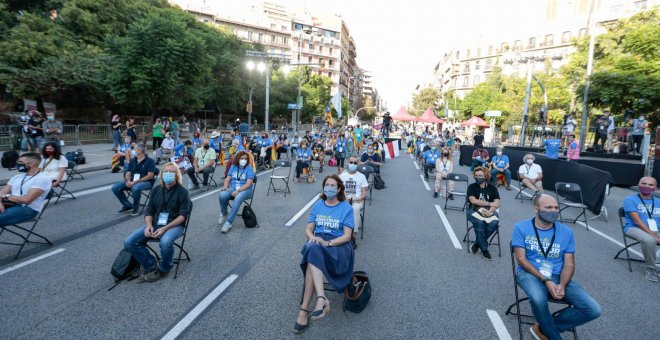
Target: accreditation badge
(162,218)
(652,225)
(546,268)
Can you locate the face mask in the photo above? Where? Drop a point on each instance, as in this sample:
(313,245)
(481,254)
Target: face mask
(529,161)
(242,162)
(434,148)
(479,180)
(548,216)
(499,153)
(21,167)
(646,190)
(49,152)
(370,150)
(641,118)
(51,118)
(330,192)
(133,153)
(206,146)
(169,177)
(352,167)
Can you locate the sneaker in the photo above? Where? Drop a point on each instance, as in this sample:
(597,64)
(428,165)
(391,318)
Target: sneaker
(204,184)
(149,276)
(451,197)
(651,275)
(222,218)
(226,227)
(474,248)
(135,212)
(486,254)
(536,332)
(124,210)
(435,195)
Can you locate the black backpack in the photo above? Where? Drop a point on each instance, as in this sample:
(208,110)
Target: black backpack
(124,267)
(358,292)
(249,217)
(378,182)
(9,159)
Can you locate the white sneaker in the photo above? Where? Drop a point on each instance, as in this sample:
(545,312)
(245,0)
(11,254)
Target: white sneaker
(222,218)
(651,275)
(226,227)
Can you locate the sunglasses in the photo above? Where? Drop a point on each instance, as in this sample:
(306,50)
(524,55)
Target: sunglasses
(352,162)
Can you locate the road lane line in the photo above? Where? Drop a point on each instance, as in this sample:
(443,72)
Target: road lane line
(30,261)
(607,237)
(91,191)
(195,312)
(264,172)
(426,185)
(450,231)
(302,211)
(416,166)
(524,193)
(411,156)
(501,330)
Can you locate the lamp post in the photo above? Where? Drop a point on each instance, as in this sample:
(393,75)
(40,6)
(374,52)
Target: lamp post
(590,60)
(250,66)
(264,66)
(530,60)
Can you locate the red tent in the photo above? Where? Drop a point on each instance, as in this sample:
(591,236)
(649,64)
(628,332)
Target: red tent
(403,115)
(429,117)
(475,121)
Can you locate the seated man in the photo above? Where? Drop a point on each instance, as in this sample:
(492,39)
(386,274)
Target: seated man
(237,187)
(138,177)
(356,189)
(371,158)
(124,151)
(501,166)
(484,200)
(303,157)
(642,222)
(544,250)
(164,218)
(166,147)
(204,163)
(24,195)
(318,153)
(531,174)
(430,158)
(480,157)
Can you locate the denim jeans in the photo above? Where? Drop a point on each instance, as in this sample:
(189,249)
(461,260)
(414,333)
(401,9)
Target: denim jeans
(584,308)
(299,167)
(175,136)
(482,230)
(116,138)
(136,245)
(506,172)
(136,192)
(428,167)
(225,197)
(17,214)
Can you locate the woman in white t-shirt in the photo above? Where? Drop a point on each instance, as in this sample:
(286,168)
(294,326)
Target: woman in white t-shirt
(443,167)
(53,163)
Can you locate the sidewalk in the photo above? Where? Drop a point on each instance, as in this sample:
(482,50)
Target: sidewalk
(97,157)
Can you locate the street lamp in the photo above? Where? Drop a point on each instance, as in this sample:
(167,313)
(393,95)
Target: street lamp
(264,66)
(530,60)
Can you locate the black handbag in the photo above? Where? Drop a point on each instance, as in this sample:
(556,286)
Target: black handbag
(249,217)
(358,292)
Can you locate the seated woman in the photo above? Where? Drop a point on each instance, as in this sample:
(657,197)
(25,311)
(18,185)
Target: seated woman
(53,163)
(237,187)
(328,252)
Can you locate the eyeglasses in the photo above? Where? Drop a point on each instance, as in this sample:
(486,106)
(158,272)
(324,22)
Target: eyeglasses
(352,162)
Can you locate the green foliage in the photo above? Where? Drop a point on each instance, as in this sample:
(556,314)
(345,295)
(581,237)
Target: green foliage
(424,99)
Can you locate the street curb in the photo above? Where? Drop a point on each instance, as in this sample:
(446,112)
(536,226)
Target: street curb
(80,170)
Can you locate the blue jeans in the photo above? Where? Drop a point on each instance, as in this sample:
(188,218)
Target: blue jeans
(482,230)
(175,136)
(225,197)
(17,214)
(136,244)
(136,191)
(116,138)
(506,172)
(584,309)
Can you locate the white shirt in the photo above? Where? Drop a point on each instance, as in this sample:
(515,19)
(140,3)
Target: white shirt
(168,143)
(444,166)
(51,168)
(530,172)
(354,184)
(38,181)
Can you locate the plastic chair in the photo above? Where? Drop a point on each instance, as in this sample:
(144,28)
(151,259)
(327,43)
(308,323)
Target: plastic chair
(62,186)
(627,245)
(457,178)
(176,261)
(19,231)
(570,190)
(280,175)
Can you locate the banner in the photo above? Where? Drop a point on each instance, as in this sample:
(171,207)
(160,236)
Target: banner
(392,149)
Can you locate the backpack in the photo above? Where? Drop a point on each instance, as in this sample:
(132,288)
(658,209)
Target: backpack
(249,217)
(378,182)
(358,292)
(9,159)
(332,162)
(124,267)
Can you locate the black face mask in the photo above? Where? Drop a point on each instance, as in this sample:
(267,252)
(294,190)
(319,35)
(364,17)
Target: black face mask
(206,146)
(21,167)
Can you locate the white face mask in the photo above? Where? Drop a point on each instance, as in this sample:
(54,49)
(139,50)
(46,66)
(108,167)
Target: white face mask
(530,161)
(242,162)
(499,153)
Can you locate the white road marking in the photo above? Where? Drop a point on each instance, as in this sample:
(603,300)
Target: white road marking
(195,312)
(91,191)
(607,237)
(302,211)
(450,231)
(426,185)
(501,330)
(264,172)
(30,261)
(411,156)
(416,166)
(524,193)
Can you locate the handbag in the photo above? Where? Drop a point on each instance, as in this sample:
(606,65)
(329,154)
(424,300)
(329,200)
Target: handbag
(358,292)
(311,178)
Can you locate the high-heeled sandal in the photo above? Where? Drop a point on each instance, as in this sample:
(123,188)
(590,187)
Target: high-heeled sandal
(298,328)
(321,313)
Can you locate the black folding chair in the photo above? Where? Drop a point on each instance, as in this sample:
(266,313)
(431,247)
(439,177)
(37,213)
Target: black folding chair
(176,261)
(519,299)
(466,237)
(279,174)
(622,214)
(72,172)
(521,192)
(254,189)
(63,190)
(567,195)
(146,193)
(368,171)
(19,231)
(211,180)
(457,178)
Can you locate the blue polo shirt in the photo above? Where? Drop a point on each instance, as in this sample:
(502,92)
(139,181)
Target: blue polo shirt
(430,156)
(524,237)
(552,148)
(501,161)
(304,154)
(634,203)
(239,176)
(331,220)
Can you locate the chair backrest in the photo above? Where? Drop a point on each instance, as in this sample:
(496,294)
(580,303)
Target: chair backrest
(513,263)
(156,173)
(282,164)
(185,226)
(457,177)
(71,165)
(366,169)
(567,187)
(622,215)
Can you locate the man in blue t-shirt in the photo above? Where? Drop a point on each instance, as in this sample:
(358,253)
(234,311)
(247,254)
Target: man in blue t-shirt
(371,158)
(551,147)
(544,250)
(642,222)
(430,157)
(500,166)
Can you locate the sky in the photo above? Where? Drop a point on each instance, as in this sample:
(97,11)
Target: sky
(400,42)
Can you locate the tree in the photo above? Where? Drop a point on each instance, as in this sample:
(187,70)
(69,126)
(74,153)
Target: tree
(424,99)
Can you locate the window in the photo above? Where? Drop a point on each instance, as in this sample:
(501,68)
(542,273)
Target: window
(466,81)
(531,43)
(582,33)
(517,45)
(297,27)
(490,50)
(320,49)
(330,50)
(505,47)
(489,64)
(330,74)
(272,26)
(640,5)
(330,62)
(466,68)
(476,80)
(311,47)
(250,35)
(322,62)
(283,28)
(476,65)
(549,39)
(272,39)
(566,37)
(284,40)
(309,60)
(260,36)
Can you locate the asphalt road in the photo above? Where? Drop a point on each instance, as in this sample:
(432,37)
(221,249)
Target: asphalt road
(247,284)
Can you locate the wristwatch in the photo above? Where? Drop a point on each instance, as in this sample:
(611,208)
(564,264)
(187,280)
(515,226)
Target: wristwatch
(545,279)
(329,243)
(7,196)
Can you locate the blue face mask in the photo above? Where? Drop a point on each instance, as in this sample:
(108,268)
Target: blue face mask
(330,192)
(51,118)
(352,167)
(169,177)
(133,153)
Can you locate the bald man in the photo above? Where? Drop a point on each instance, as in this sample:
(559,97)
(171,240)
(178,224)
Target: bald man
(545,251)
(642,222)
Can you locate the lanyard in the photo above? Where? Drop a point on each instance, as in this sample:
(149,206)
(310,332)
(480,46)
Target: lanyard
(499,158)
(649,213)
(25,179)
(538,239)
(46,165)
(528,168)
